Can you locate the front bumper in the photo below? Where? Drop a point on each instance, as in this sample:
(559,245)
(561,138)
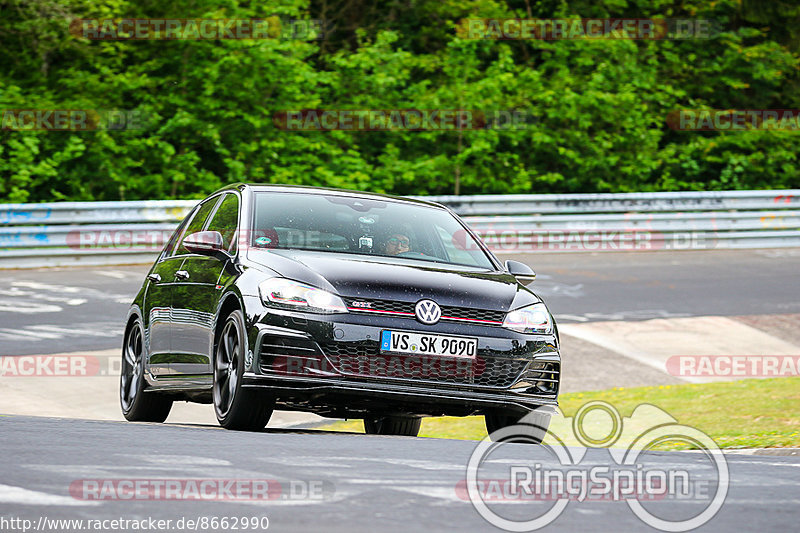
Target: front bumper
(332,364)
(351,399)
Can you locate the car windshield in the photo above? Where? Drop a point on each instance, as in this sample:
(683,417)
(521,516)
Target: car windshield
(367,226)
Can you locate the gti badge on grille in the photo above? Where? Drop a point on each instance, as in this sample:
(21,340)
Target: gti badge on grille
(362,305)
(428,311)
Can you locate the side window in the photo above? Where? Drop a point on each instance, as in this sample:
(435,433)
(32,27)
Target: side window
(197,223)
(169,248)
(225,221)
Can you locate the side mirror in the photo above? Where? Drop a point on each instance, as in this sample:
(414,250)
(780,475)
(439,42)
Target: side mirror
(206,243)
(521,271)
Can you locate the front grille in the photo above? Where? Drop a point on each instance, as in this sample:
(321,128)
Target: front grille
(364,359)
(486,316)
(380,305)
(467,313)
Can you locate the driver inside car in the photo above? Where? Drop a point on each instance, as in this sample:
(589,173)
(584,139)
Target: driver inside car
(397,243)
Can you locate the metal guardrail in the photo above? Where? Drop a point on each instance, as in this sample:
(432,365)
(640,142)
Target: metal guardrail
(94,212)
(103,233)
(642,202)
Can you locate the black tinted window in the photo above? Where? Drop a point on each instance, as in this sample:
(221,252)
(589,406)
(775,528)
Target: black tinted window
(226,219)
(197,222)
(365,226)
(169,249)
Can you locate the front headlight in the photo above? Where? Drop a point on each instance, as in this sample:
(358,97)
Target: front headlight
(293,294)
(532,319)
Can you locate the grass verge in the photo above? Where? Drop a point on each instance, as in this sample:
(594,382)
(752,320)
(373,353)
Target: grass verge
(751,413)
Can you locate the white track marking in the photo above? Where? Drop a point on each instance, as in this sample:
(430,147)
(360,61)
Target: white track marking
(67,330)
(21,496)
(575,330)
(305,462)
(425,465)
(25,295)
(35,334)
(778,253)
(116,274)
(179,460)
(14,291)
(338,496)
(47,331)
(9,335)
(653,342)
(643,314)
(576,318)
(546,287)
(583,510)
(341,462)
(18,306)
(35,285)
(61,290)
(59,299)
(440,493)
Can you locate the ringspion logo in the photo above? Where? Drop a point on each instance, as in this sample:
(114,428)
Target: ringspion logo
(620,469)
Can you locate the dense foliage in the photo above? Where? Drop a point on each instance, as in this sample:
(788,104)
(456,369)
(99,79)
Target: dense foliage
(600,104)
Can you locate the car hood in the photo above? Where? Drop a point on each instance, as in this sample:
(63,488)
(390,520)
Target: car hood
(385,278)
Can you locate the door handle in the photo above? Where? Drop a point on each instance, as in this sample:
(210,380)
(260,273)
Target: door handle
(155,278)
(181,274)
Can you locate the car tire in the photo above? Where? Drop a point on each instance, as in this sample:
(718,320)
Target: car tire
(530,428)
(136,404)
(407,426)
(236,407)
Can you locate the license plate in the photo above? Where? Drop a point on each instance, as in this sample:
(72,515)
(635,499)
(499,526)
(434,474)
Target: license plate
(424,344)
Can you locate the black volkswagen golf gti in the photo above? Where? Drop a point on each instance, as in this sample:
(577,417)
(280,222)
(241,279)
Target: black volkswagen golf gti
(344,304)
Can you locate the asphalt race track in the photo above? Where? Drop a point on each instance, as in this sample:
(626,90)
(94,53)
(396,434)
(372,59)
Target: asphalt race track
(359,482)
(325,481)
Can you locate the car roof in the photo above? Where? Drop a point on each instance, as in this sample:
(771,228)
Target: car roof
(308,189)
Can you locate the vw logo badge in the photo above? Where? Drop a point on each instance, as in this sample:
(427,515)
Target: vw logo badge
(428,311)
